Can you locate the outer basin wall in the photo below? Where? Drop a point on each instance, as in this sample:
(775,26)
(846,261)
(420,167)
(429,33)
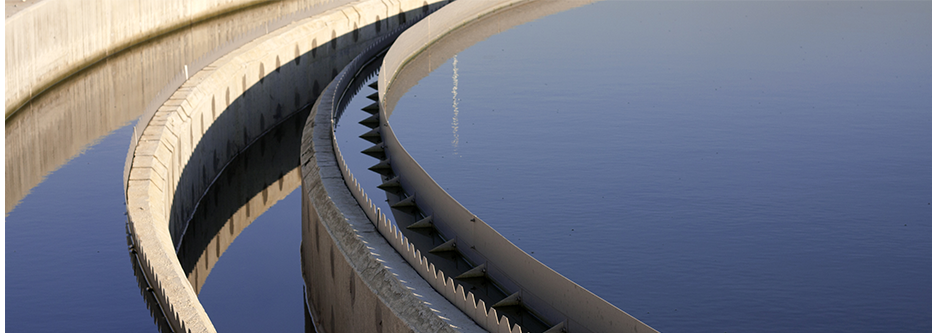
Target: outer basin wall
(52,39)
(217,113)
(62,120)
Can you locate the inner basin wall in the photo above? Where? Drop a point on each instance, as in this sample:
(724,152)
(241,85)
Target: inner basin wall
(216,114)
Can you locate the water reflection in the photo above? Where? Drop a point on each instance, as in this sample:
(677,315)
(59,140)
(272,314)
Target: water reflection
(254,181)
(250,184)
(462,38)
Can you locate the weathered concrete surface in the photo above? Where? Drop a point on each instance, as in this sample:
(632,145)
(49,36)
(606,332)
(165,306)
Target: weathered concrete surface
(215,115)
(342,251)
(15,6)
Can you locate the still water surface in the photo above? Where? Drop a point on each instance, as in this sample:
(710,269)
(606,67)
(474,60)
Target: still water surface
(706,167)
(68,266)
(714,167)
(67,263)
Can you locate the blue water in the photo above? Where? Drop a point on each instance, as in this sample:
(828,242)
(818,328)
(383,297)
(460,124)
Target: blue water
(706,167)
(68,267)
(67,263)
(256,285)
(767,172)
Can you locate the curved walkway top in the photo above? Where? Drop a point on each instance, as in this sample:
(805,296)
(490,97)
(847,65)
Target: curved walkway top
(557,299)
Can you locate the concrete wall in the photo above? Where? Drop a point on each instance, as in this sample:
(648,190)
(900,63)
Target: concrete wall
(51,40)
(342,250)
(214,116)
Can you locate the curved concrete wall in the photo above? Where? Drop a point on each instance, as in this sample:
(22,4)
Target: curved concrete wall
(555,298)
(393,298)
(167,177)
(214,116)
(51,40)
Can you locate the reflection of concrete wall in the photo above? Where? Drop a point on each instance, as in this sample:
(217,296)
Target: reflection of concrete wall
(254,181)
(219,111)
(421,52)
(60,122)
(242,218)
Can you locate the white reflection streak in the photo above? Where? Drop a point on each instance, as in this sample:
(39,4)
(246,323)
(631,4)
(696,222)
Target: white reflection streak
(456,109)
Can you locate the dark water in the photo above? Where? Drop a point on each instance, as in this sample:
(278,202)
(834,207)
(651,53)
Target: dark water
(347,132)
(250,215)
(706,167)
